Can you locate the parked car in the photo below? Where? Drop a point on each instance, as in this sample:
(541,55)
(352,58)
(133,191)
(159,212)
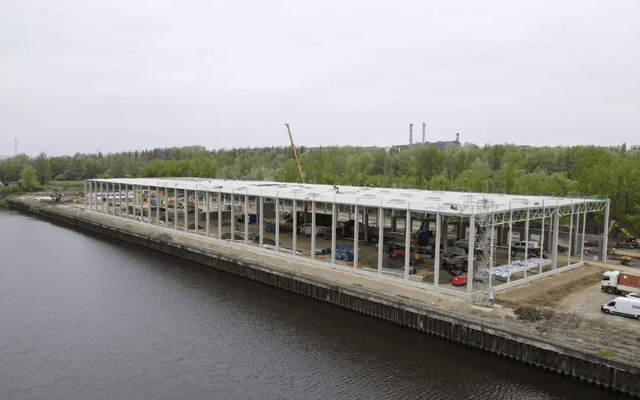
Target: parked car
(320,230)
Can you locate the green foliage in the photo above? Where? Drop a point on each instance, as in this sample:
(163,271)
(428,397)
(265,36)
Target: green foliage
(28,178)
(43,168)
(11,168)
(4,204)
(9,190)
(606,353)
(562,171)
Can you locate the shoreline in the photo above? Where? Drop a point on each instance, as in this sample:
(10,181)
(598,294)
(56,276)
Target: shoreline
(433,313)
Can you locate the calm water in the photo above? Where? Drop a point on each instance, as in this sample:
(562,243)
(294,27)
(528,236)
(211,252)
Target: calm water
(83,317)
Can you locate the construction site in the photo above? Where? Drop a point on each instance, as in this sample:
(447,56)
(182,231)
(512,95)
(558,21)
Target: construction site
(524,272)
(481,243)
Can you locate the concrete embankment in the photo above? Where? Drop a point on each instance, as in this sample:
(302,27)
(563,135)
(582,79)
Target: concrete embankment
(405,306)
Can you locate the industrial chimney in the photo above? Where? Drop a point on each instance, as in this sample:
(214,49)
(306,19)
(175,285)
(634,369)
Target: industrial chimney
(424,128)
(458,137)
(410,134)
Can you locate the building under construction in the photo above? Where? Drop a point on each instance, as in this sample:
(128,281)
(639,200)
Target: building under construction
(480,243)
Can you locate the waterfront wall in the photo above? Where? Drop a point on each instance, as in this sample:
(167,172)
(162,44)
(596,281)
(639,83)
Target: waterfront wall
(592,369)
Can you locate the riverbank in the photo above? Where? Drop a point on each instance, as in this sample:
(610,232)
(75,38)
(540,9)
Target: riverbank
(493,329)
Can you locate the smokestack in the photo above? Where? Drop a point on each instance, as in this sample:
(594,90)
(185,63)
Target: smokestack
(424,128)
(16,146)
(458,137)
(410,134)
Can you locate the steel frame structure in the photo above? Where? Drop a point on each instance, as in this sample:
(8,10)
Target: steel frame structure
(483,213)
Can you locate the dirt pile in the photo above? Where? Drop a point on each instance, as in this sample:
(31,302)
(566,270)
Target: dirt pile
(444,277)
(530,314)
(549,292)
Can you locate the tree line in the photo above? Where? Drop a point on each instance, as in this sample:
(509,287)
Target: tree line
(610,172)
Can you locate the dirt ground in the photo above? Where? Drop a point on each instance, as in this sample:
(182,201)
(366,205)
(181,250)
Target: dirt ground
(574,299)
(562,309)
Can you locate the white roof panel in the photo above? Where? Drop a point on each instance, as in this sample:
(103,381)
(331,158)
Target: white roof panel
(452,203)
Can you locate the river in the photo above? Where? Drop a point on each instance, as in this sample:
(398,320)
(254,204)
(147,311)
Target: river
(85,317)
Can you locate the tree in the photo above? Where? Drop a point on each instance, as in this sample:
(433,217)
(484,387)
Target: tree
(11,168)
(529,184)
(28,178)
(91,168)
(42,167)
(509,179)
(288,172)
(59,166)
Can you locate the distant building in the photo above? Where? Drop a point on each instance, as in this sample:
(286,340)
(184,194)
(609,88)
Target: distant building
(440,145)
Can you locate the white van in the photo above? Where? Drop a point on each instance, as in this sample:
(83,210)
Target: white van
(624,306)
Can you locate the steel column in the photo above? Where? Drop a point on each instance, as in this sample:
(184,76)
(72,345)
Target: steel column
(219,206)
(261,217)
(333,231)
(471,255)
(208,216)
(436,260)
(294,239)
(277,222)
(185,204)
(313,229)
(356,234)
(407,242)
(380,237)
(196,216)
(605,241)
(246,218)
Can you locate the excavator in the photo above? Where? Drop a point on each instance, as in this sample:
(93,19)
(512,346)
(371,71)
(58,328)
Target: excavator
(629,242)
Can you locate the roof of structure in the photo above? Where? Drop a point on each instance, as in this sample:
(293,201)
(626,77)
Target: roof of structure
(450,203)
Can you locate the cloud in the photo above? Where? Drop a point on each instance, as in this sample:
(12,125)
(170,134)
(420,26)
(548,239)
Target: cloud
(120,75)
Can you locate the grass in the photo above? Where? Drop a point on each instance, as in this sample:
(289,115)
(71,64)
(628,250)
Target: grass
(606,353)
(66,185)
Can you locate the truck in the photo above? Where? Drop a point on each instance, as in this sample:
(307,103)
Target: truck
(628,306)
(617,282)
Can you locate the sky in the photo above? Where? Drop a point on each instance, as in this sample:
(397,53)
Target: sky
(121,75)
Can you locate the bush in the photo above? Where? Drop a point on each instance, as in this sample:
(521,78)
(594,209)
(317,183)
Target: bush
(15,189)
(4,204)
(28,179)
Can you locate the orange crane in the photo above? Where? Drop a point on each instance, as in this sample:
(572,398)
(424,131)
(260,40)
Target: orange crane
(295,153)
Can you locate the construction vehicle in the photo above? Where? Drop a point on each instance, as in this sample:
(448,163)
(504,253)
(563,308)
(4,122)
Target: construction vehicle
(295,153)
(629,262)
(57,197)
(180,203)
(629,242)
(617,282)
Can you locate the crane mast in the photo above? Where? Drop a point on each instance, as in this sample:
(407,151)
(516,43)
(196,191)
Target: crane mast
(295,153)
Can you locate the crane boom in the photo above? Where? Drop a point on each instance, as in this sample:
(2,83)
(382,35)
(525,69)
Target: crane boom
(295,153)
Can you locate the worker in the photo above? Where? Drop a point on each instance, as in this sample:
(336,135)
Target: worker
(54,192)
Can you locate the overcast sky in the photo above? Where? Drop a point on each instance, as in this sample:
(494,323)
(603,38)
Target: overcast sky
(121,75)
